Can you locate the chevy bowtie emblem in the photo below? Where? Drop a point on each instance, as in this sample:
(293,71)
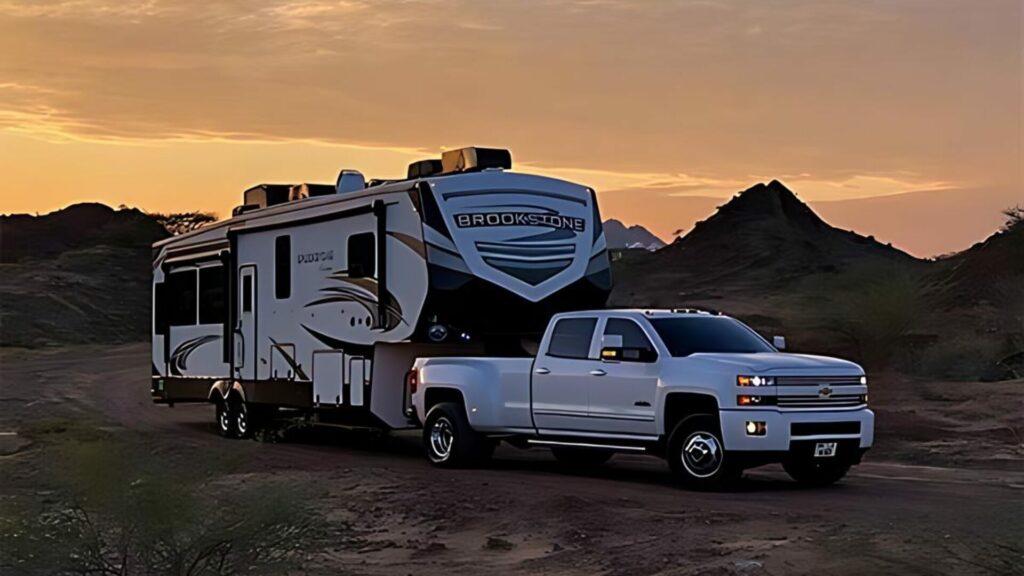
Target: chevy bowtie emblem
(824,392)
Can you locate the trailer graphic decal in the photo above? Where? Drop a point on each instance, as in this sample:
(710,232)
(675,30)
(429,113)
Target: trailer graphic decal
(179,357)
(337,344)
(364,292)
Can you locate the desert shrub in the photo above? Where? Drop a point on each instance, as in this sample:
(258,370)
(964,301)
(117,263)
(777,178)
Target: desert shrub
(958,359)
(111,510)
(876,311)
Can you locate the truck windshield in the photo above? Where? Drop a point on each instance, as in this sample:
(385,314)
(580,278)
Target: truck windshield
(692,335)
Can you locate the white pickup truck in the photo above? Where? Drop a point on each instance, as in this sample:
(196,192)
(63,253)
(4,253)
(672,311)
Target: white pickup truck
(703,391)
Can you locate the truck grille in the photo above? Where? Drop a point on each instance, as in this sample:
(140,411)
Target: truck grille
(817,380)
(833,401)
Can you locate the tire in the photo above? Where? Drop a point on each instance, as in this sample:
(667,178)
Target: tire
(812,472)
(581,457)
(226,419)
(697,456)
(243,418)
(449,441)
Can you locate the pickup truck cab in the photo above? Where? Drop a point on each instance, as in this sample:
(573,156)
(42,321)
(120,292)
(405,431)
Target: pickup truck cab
(704,391)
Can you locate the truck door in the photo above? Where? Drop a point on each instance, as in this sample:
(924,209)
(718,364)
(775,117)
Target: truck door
(245,329)
(622,397)
(560,376)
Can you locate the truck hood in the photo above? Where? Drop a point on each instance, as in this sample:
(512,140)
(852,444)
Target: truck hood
(778,363)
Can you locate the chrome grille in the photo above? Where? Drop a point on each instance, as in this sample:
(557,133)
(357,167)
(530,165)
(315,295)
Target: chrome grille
(817,401)
(817,380)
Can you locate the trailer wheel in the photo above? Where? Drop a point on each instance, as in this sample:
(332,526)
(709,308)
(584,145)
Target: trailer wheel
(243,420)
(805,470)
(581,457)
(697,456)
(448,439)
(226,421)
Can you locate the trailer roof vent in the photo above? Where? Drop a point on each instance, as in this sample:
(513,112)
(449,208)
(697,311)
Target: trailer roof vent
(424,168)
(473,159)
(349,181)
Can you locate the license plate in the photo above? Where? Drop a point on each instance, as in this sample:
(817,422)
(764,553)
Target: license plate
(825,449)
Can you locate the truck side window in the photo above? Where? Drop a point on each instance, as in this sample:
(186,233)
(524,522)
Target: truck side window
(282,267)
(570,338)
(362,255)
(636,346)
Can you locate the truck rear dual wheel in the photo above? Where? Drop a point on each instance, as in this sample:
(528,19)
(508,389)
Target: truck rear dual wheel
(815,472)
(449,441)
(697,456)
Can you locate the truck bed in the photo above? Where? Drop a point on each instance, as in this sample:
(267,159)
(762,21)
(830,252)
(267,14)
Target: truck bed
(503,404)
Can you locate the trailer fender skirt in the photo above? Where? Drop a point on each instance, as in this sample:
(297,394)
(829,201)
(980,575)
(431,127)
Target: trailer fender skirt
(221,389)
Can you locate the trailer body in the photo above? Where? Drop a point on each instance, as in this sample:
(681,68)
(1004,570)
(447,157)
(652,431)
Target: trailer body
(322,302)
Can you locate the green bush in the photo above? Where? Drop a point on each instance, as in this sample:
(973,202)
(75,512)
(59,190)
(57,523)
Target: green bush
(112,510)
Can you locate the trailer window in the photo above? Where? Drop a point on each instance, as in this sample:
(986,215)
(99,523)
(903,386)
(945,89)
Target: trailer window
(571,338)
(283,267)
(247,293)
(182,288)
(160,308)
(212,307)
(362,255)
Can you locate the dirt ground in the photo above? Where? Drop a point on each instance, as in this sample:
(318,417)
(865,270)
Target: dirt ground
(943,493)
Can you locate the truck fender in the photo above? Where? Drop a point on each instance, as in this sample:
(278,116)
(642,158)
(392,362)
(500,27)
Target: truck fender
(695,400)
(476,382)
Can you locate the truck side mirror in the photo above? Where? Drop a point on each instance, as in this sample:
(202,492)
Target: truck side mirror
(611,347)
(779,342)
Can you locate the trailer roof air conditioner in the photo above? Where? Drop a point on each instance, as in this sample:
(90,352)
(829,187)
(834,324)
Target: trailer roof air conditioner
(473,159)
(424,168)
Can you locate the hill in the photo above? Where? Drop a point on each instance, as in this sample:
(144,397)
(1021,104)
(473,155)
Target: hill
(77,275)
(766,257)
(765,237)
(634,237)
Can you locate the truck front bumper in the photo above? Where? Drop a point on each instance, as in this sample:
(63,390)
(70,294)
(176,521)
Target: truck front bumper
(781,431)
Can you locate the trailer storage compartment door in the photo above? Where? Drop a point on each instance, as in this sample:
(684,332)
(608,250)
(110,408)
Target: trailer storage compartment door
(328,374)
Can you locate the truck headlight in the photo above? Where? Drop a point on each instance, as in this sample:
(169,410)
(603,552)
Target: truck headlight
(755,381)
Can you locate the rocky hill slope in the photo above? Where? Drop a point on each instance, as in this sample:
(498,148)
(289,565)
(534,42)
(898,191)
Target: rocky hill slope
(78,275)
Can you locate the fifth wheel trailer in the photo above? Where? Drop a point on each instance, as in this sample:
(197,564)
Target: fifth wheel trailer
(319,298)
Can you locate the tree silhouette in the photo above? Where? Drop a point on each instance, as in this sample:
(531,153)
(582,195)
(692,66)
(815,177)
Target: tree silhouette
(1014,216)
(181,222)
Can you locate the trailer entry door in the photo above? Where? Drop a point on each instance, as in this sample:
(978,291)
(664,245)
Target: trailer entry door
(245,330)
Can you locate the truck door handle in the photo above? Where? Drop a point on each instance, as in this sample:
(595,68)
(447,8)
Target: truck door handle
(642,404)
(597,372)
(542,371)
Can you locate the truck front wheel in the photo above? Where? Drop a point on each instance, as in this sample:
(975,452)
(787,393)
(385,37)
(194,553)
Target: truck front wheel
(811,472)
(448,439)
(696,454)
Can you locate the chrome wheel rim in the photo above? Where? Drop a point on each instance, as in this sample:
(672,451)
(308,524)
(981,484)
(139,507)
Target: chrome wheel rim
(702,454)
(223,419)
(441,439)
(243,420)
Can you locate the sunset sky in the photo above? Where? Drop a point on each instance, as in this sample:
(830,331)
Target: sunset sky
(666,108)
